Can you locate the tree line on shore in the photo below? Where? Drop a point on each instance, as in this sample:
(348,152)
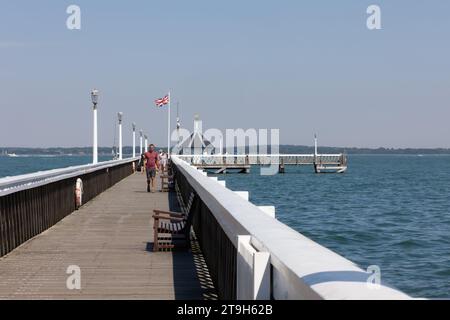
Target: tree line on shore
(283,149)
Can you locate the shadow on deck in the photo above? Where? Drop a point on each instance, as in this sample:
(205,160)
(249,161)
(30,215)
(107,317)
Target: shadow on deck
(187,263)
(190,262)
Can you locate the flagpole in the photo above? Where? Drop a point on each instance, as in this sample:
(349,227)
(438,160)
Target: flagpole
(168,127)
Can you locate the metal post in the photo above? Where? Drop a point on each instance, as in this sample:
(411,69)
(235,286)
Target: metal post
(315,154)
(315,145)
(141,146)
(120,115)
(94,98)
(134,140)
(168,128)
(95,142)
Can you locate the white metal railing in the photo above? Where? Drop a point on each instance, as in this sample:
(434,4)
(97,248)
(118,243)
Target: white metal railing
(302,268)
(10,185)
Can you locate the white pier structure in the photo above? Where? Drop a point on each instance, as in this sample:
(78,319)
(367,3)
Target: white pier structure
(198,150)
(322,163)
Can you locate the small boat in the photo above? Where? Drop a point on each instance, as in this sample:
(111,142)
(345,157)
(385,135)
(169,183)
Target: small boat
(11,155)
(330,168)
(333,166)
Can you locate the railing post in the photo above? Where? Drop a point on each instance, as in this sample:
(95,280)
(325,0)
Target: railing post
(253,272)
(269,210)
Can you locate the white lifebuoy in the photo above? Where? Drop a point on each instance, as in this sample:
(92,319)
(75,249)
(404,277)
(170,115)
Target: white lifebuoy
(78,193)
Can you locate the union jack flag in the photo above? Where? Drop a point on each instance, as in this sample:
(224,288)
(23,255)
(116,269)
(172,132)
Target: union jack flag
(162,102)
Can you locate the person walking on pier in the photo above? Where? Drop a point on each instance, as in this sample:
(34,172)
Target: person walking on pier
(163,158)
(152,163)
(142,164)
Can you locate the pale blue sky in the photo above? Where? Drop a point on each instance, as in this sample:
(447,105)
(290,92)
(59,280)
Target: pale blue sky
(300,66)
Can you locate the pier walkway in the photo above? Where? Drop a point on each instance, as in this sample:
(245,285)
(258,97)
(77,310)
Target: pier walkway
(109,238)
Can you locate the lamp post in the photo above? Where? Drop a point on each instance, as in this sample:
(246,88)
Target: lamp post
(134,140)
(120,117)
(315,145)
(168,128)
(140,149)
(94,98)
(146,143)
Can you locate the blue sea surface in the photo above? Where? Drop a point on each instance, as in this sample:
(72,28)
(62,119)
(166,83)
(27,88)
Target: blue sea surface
(387,210)
(13,166)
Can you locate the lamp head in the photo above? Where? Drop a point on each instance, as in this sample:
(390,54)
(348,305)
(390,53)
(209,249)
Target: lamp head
(134,126)
(94,96)
(120,116)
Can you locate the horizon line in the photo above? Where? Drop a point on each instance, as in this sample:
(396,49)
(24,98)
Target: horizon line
(281,145)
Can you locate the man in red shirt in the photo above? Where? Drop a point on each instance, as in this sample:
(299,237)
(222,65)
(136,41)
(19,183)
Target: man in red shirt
(152,159)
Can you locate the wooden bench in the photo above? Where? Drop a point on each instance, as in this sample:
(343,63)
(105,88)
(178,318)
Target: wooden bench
(165,182)
(166,178)
(172,229)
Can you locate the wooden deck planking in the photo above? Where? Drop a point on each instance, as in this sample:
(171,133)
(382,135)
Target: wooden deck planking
(110,240)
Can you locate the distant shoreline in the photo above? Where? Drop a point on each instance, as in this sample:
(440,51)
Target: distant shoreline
(285,149)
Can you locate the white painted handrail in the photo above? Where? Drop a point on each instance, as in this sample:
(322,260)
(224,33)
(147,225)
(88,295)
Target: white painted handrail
(14,184)
(302,268)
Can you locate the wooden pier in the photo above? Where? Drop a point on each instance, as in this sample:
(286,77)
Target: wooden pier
(110,239)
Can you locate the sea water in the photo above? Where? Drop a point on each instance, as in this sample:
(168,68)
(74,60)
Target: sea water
(392,211)
(12,166)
